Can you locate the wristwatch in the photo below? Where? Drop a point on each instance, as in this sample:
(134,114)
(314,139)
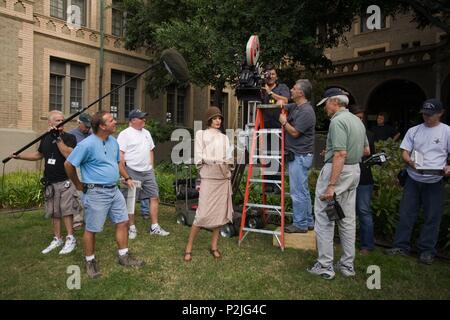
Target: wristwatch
(126,179)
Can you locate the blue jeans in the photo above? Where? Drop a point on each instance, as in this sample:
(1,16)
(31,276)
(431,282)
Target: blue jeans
(145,207)
(299,189)
(364,213)
(430,196)
(100,203)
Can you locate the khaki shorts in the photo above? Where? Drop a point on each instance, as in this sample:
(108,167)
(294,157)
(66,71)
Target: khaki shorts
(149,187)
(61,199)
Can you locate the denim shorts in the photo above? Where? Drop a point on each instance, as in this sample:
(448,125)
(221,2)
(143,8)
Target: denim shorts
(99,203)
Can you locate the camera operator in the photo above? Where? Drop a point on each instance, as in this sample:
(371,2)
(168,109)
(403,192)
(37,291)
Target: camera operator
(273,92)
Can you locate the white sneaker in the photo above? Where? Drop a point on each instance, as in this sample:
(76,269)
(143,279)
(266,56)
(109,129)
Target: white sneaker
(347,271)
(132,233)
(319,270)
(53,245)
(70,245)
(159,231)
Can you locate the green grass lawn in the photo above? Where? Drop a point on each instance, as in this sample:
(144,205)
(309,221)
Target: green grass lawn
(256,270)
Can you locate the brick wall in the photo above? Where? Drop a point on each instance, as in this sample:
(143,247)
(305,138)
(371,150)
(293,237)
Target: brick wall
(400,30)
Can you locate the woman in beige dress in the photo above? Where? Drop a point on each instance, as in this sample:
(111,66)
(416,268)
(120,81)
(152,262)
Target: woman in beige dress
(212,156)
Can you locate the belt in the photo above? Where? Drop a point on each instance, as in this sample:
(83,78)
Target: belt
(104,186)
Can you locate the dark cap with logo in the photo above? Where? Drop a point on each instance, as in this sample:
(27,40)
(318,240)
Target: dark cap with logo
(432,106)
(330,93)
(136,113)
(85,119)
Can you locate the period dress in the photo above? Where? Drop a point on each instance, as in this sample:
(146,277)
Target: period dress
(212,155)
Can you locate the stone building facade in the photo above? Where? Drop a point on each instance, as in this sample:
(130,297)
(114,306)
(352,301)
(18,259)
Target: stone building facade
(393,69)
(47,63)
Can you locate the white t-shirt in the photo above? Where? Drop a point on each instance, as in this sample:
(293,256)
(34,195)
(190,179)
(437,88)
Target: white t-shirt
(433,143)
(136,144)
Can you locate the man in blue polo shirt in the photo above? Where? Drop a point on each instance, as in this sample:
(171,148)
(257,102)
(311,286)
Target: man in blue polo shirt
(98,158)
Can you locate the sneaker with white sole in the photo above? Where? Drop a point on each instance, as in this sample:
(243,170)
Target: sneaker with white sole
(347,271)
(319,270)
(132,233)
(159,231)
(69,246)
(53,245)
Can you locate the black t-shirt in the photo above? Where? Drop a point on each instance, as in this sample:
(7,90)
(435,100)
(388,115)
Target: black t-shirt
(366,177)
(303,119)
(54,161)
(271,116)
(383,132)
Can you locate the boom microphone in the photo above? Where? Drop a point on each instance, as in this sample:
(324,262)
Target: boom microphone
(175,64)
(172,60)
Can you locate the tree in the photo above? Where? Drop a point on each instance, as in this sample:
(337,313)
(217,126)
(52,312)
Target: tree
(435,12)
(211,34)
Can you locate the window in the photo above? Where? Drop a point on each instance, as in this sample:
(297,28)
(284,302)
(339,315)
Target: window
(416,44)
(58,9)
(118,19)
(181,97)
(176,105)
(363,23)
(124,99)
(405,45)
(171,104)
(67,81)
(223,105)
(130,92)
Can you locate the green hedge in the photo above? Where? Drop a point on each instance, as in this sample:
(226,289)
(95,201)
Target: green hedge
(23,190)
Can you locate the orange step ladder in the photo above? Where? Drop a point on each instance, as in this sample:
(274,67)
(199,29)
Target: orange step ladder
(259,132)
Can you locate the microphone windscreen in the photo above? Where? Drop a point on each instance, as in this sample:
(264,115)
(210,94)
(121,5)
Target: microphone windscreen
(175,64)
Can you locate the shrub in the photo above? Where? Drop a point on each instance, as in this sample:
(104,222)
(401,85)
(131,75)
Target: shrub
(160,132)
(21,189)
(387,191)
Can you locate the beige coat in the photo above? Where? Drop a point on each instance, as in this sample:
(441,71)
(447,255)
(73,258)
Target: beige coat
(212,155)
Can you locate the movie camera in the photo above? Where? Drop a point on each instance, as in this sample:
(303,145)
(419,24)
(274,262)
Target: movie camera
(251,78)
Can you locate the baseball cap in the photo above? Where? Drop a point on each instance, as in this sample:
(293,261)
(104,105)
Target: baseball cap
(330,93)
(136,113)
(85,118)
(431,106)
